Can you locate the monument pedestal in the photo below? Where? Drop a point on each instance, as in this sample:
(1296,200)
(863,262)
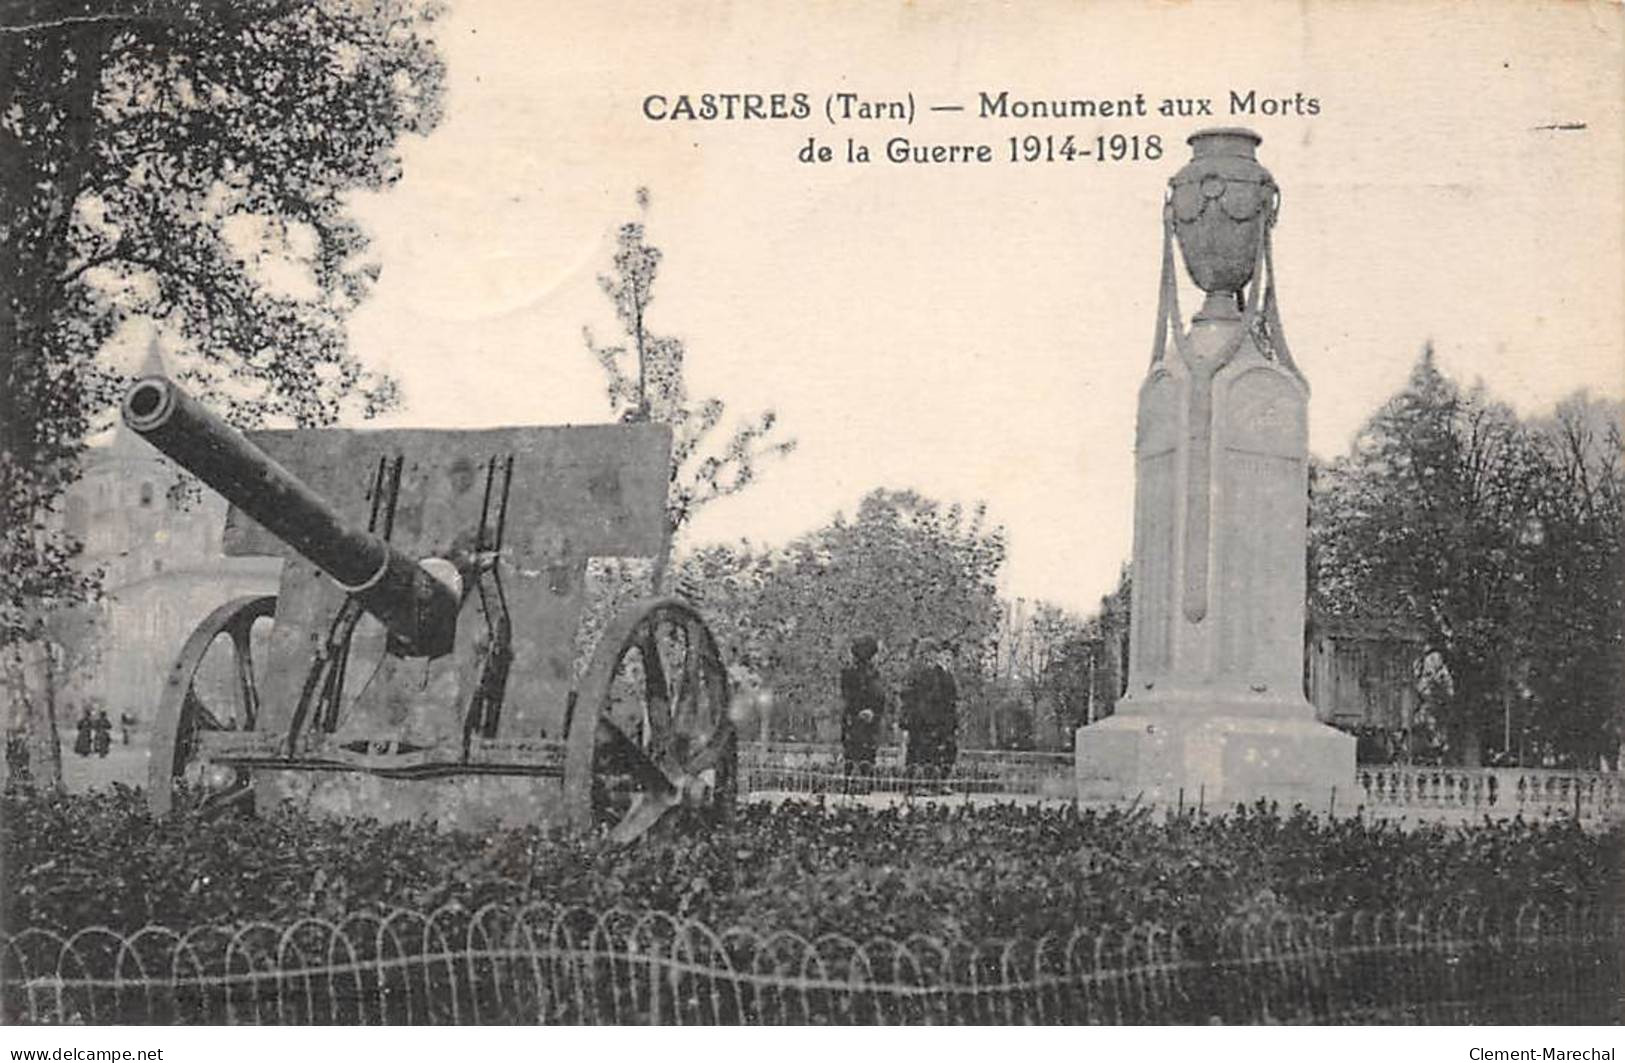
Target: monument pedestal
(1215,761)
(1215,706)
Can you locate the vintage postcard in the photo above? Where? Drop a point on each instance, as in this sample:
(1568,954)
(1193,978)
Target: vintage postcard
(1099,512)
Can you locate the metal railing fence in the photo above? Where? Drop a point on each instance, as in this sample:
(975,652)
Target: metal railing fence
(1424,794)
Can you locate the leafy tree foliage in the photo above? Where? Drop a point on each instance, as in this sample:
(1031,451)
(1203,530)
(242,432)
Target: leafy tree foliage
(184,162)
(1572,690)
(1499,541)
(1109,628)
(1072,676)
(903,569)
(644,381)
(730,578)
(1048,659)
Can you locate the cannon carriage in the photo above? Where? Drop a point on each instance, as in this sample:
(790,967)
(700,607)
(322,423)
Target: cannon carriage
(421,654)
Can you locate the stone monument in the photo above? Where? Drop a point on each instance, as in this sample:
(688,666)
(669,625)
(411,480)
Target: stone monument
(1215,709)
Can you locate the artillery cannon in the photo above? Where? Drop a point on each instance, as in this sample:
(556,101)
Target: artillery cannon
(419,656)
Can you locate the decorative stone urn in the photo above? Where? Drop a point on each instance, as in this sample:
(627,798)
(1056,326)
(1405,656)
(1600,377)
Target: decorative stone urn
(1222,203)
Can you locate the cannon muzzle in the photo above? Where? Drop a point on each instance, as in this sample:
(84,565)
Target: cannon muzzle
(418,606)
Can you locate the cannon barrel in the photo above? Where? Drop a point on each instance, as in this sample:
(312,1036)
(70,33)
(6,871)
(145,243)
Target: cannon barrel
(416,605)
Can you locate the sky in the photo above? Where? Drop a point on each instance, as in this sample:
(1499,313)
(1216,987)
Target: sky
(979,331)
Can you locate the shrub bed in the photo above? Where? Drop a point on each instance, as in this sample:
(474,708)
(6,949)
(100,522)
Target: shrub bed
(981,874)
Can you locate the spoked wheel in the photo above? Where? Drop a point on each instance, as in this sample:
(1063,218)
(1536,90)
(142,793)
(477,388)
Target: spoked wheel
(650,730)
(214,686)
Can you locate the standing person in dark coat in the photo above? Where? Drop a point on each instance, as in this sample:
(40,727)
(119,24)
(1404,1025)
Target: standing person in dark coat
(930,714)
(863,700)
(82,742)
(104,733)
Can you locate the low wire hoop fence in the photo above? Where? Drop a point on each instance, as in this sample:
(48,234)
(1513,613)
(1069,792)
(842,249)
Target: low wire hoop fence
(575,966)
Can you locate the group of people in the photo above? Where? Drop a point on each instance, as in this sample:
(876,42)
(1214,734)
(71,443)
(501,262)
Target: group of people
(95,734)
(928,711)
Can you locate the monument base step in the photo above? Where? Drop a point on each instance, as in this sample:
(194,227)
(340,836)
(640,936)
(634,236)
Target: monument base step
(1215,761)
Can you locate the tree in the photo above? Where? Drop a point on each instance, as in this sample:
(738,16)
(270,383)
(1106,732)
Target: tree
(1051,665)
(1108,630)
(38,678)
(905,568)
(1574,681)
(187,163)
(728,580)
(645,382)
(1074,675)
(1428,520)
